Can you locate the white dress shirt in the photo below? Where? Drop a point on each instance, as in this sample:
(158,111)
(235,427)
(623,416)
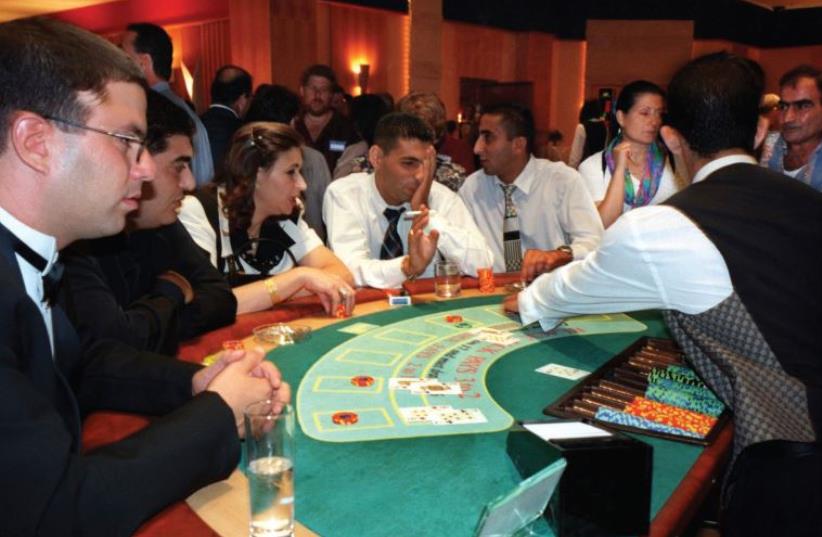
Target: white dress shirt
(46,247)
(353,212)
(553,206)
(597,181)
(651,258)
(193,217)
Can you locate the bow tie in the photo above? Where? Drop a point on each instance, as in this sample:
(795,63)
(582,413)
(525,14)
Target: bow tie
(51,280)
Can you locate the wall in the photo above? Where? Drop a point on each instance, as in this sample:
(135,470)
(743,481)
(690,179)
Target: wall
(622,51)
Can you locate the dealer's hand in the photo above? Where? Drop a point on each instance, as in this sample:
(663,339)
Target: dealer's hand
(511,303)
(537,262)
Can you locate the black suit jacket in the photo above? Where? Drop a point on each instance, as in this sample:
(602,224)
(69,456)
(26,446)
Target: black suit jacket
(220,125)
(48,487)
(117,294)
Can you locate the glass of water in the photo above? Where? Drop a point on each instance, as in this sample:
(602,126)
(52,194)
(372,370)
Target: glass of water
(447,280)
(269,449)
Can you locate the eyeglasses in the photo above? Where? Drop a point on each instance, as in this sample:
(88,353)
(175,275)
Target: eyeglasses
(800,106)
(129,139)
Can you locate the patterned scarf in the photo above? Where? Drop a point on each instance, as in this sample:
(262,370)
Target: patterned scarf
(649,184)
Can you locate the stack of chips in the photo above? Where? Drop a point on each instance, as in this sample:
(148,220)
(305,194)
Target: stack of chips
(486,280)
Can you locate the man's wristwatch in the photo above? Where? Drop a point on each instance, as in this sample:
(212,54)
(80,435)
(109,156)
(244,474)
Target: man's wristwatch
(567,249)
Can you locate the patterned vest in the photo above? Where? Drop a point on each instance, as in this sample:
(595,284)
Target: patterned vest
(760,349)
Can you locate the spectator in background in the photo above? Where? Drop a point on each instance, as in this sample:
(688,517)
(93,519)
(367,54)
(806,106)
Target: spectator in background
(366,111)
(591,134)
(150,47)
(322,128)
(634,169)
(230,97)
(770,115)
(341,101)
(798,152)
(279,104)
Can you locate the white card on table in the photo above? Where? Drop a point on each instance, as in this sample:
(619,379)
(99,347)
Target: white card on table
(563,371)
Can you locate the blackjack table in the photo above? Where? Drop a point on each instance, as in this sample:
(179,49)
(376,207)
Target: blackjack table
(372,459)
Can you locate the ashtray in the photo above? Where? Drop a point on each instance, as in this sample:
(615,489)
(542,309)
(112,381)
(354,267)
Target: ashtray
(515,287)
(281,334)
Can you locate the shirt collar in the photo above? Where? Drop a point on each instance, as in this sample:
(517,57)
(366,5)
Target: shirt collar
(161,86)
(525,179)
(44,245)
(720,163)
(224,107)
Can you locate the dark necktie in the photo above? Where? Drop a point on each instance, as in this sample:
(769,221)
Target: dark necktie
(392,243)
(51,281)
(510,232)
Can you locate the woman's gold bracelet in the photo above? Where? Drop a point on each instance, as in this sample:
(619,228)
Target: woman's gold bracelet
(271,289)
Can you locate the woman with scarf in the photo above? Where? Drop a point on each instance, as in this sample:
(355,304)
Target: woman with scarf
(634,169)
(249,223)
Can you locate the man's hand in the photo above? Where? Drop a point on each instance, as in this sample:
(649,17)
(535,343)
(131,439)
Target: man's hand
(537,262)
(429,166)
(421,247)
(244,380)
(180,281)
(511,303)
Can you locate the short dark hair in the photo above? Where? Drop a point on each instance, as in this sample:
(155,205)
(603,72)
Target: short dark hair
(273,103)
(591,109)
(392,127)
(45,63)
(255,146)
(801,71)
(165,119)
(517,120)
(154,41)
(714,103)
(230,83)
(318,69)
(631,92)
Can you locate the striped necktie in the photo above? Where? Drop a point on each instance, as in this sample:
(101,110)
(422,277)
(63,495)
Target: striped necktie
(392,243)
(510,232)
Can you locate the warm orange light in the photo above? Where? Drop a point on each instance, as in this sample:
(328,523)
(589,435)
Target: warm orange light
(188,79)
(355,64)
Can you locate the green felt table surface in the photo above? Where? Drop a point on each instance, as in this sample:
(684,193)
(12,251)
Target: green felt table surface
(438,485)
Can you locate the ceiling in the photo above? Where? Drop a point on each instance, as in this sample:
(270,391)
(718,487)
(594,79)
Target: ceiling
(15,9)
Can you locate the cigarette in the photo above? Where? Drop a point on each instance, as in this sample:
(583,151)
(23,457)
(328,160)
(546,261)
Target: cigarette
(410,215)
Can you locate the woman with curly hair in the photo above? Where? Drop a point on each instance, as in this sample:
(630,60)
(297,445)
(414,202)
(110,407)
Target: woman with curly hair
(248,221)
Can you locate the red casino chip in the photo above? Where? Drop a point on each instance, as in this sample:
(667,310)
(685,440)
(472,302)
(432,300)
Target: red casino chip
(340,312)
(453,318)
(362,381)
(233,345)
(345,418)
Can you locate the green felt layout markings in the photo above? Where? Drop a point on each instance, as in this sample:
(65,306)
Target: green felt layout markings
(347,396)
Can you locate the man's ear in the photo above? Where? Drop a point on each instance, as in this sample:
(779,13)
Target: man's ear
(762,126)
(32,137)
(520,144)
(375,156)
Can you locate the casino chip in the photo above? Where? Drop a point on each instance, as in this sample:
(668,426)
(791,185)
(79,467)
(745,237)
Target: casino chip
(345,418)
(340,313)
(453,318)
(362,381)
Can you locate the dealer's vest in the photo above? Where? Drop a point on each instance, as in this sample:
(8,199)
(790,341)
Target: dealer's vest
(761,348)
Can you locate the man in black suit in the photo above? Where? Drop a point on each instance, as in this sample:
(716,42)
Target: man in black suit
(230,97)
(734,262)
(151,286)
(72,163)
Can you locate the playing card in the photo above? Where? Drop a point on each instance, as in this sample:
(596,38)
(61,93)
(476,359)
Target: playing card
(404,383)
(458,416)
(435,387)
(563,371)
(498,337)
(416,414)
